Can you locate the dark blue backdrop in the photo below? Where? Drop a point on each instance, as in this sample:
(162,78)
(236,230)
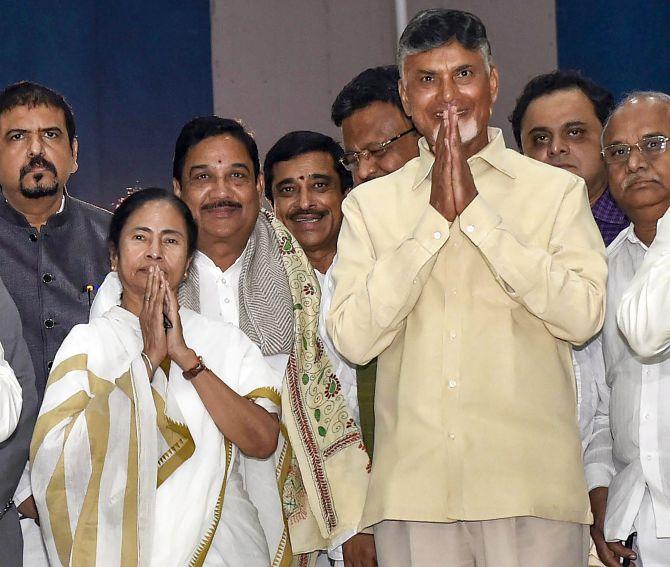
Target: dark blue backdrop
(621,44)
(133,72)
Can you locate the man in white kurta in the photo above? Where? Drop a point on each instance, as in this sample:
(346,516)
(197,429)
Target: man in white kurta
(628,458)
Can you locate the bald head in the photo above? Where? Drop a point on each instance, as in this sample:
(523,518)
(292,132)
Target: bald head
(640,182)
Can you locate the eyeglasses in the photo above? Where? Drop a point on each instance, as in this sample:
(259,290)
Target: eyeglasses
(649,147)
(350,160)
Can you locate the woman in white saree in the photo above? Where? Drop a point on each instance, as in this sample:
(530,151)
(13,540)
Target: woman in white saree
(134,456)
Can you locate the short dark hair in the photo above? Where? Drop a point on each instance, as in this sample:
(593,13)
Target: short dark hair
(433,28)
(600,97)
(138,199)
(204,127)
(377,84)
(25,93)
(301,142)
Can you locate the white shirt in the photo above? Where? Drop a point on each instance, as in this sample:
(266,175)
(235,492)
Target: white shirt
(630,447)
(644,311)
(11,398)
(589,367)
(219,299)
(346,374)
(344,370)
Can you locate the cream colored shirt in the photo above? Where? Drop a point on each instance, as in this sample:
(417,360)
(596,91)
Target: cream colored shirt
(11,398)
(472,322)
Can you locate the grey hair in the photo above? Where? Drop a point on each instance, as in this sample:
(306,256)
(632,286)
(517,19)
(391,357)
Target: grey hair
(431,29)
(630,97)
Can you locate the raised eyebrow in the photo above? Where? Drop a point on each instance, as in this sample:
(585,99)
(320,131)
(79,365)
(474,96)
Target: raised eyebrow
(51,129)
(320,176)
(539,129)
(198,167)
(240,165)
(169,231)
(463,67)
(15,131)
(285,181)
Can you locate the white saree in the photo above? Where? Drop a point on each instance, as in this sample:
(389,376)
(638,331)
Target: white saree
(130,472)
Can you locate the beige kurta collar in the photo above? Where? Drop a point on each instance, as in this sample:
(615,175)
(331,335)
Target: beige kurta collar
(494,154)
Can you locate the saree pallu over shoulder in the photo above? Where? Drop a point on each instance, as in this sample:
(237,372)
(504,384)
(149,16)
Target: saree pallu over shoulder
(127,471)
(96,497)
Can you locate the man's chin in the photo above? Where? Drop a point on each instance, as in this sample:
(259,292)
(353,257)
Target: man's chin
(39,191)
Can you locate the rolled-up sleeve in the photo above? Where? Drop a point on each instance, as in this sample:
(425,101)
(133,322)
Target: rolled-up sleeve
(373,295)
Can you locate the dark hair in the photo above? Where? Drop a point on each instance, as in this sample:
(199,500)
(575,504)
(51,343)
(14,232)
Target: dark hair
(601,98)
(377,84)
(30,94)
(138,199)
(204,127)
(431,29)
(301,142)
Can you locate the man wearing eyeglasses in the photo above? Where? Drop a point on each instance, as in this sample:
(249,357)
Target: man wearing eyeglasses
(628,459)
(378,136)
(469,272)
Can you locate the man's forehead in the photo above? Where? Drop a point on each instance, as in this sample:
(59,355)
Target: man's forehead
(304,166)
(558,108)
(374,123)
(220,150)
(32,113)
(638,118)
(450,55)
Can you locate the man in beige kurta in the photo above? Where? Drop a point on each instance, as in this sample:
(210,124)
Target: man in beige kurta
(469,272)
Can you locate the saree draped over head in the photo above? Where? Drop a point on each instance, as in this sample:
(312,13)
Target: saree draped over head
(131,472)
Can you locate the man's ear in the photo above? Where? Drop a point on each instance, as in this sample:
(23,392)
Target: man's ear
(493,85)
(260,185)
(75,154)
(407,107)
(176,187)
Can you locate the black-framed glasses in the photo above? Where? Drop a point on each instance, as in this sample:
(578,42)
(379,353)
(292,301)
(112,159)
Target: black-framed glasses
(649,147)
(350,160)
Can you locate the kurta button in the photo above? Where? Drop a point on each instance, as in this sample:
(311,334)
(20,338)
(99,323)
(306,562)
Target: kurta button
(452,384)
(437,235)
(470,228)
(50,364)
(452,436)
(47,278)
(49,323)
(33,237)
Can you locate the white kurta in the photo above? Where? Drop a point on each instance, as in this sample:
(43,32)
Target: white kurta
(10,398)
(630,447)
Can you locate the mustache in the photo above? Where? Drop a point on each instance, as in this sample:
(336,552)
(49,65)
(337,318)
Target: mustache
(35,163)
(301,212)
(219,204)
(635,178)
